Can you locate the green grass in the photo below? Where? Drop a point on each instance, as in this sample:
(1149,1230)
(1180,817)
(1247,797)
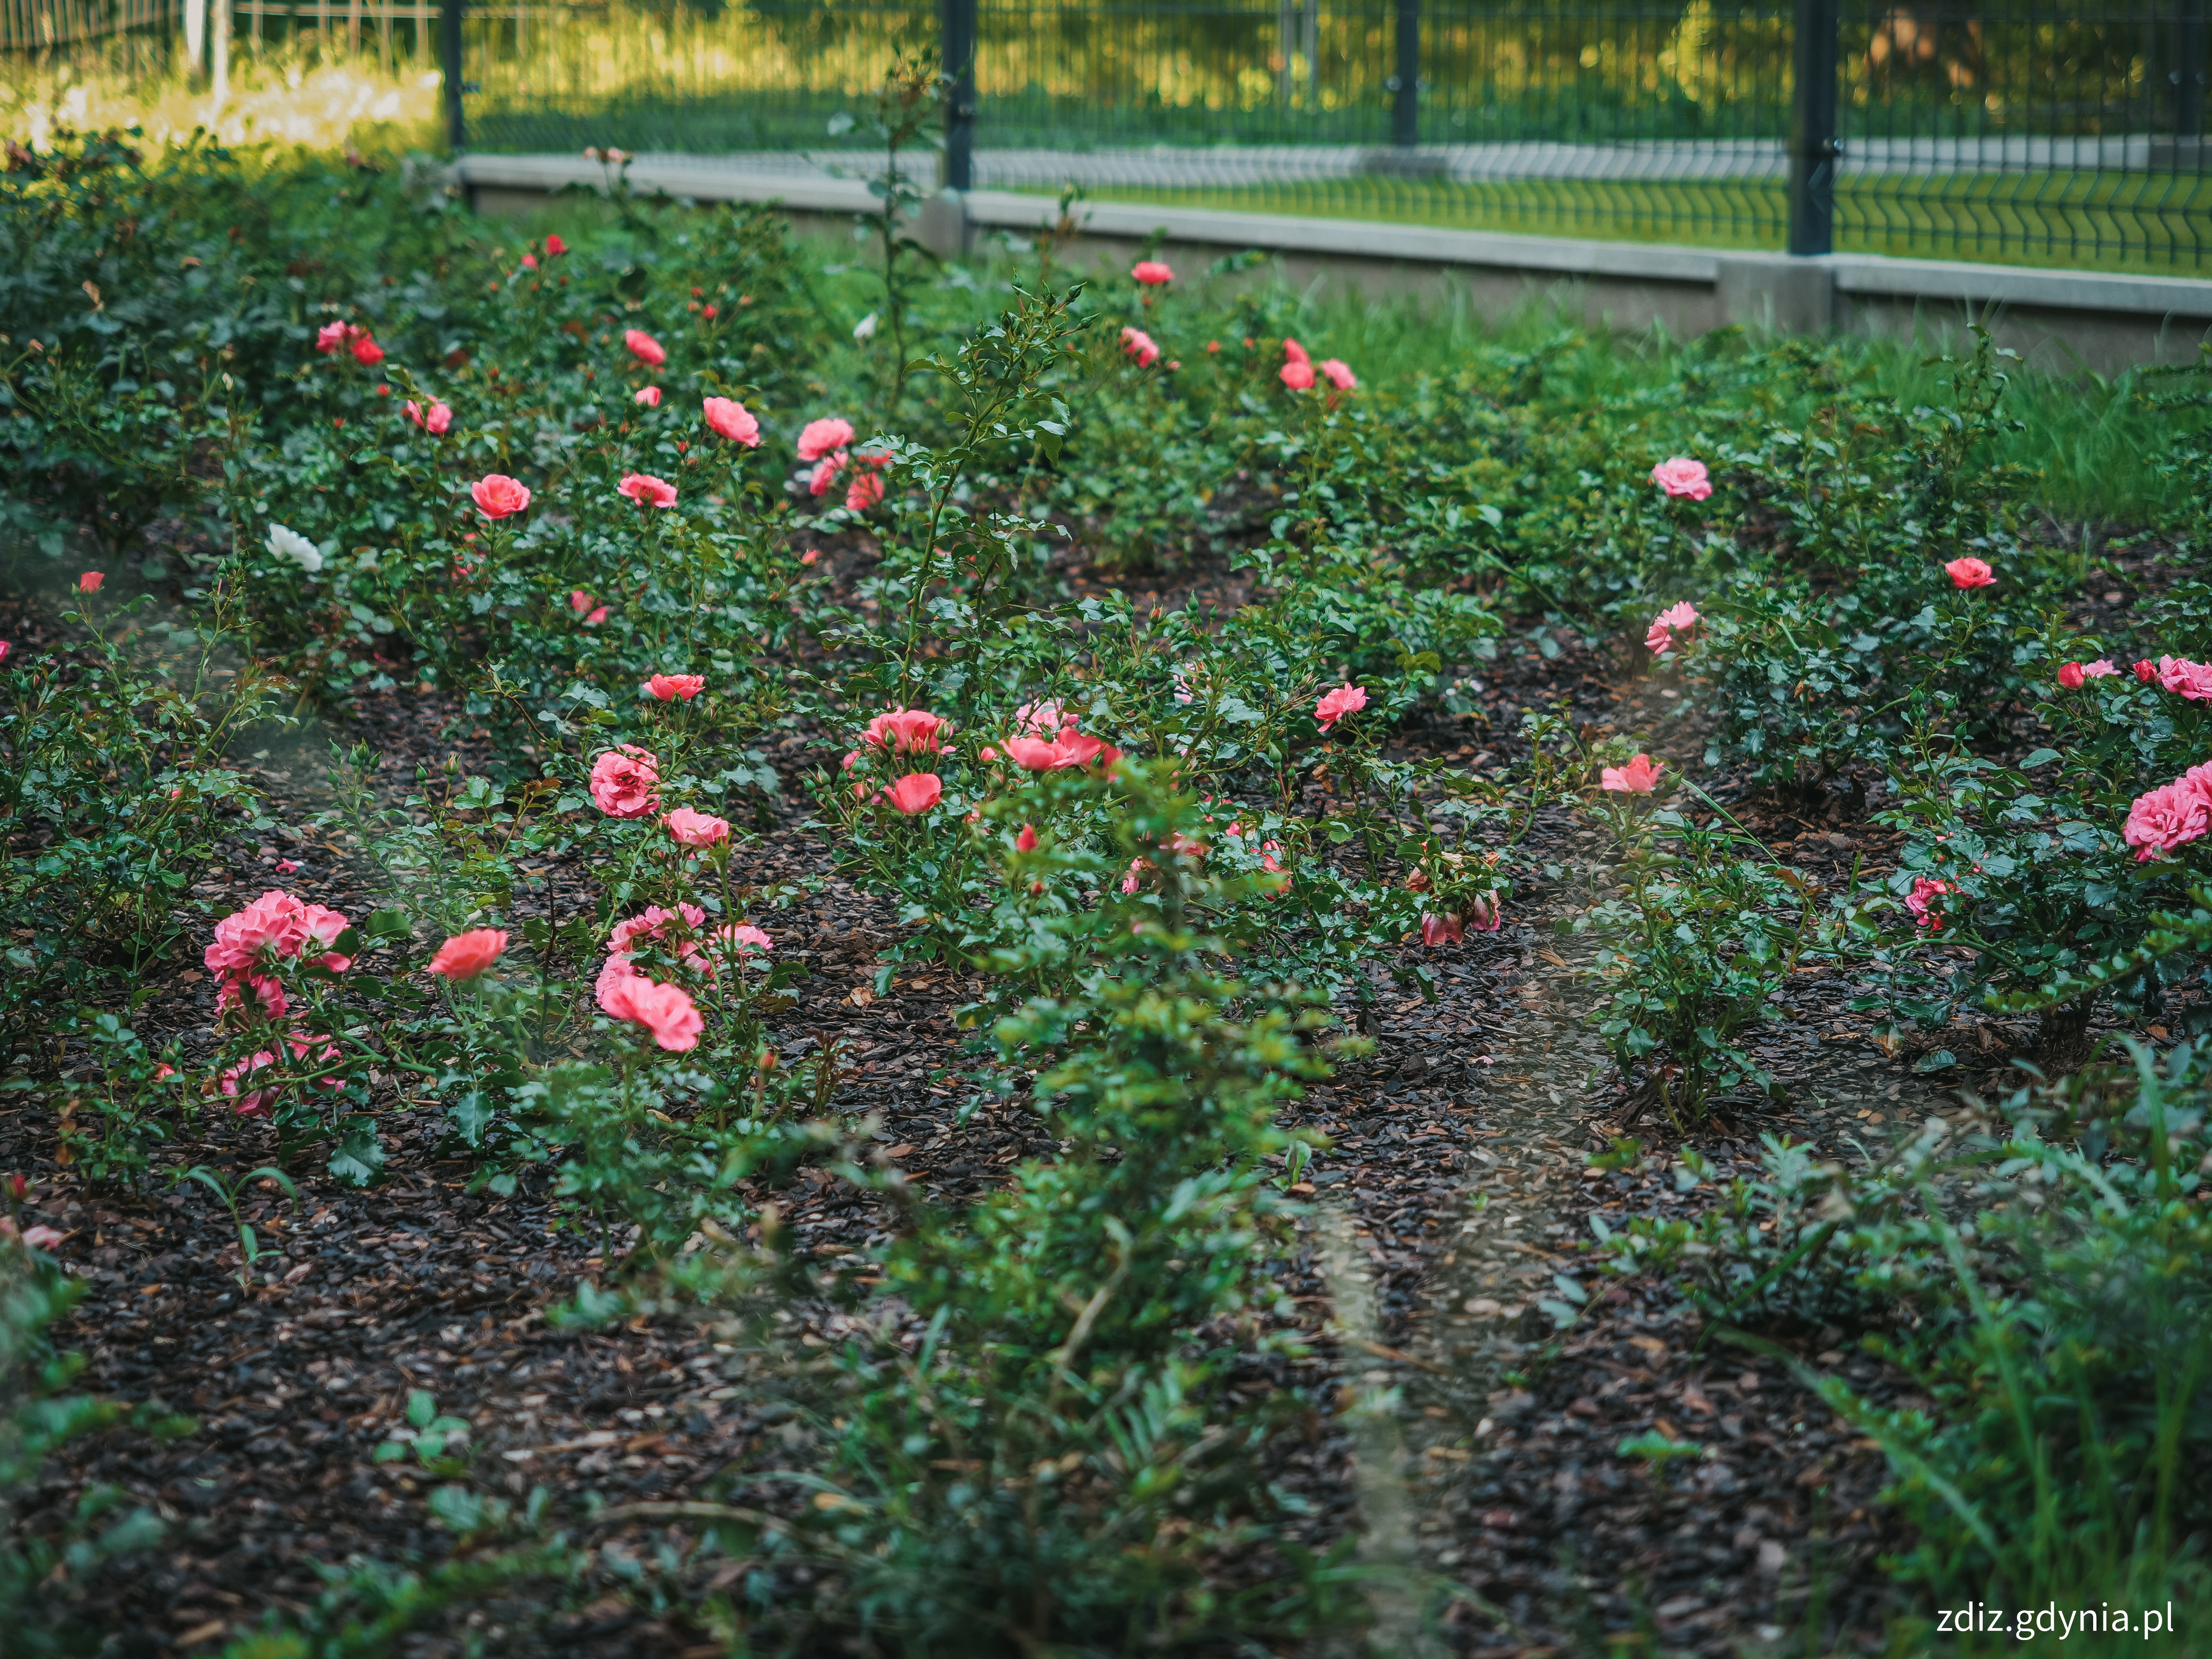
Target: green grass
(2148,222)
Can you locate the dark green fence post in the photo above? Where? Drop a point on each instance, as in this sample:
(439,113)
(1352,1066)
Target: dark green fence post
(1406,84)
(1812,146)
(2188,82)
(449,63)
(958,22)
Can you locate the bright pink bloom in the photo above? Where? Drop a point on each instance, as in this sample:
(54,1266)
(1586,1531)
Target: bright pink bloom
(4,648)
(733,421)
(436,423)
(907,732)
(1639,777)
(648,395)
(666,1011)
(1293,353)
(1681,475)
(366,351)
(917,792)
(820,438)
(2071,675)
(1298,374)
(530,261)
(696,829)
(2184,678)
(555,247)
(863,492)
(90,581)
(1151,272)
(330,336)
(643,347)
(2146,671)
(742,939)
(1346,699)
(670,929)
(1069,749)
(2166,818)
(498,497)
(1970,573)
(1026,841)
(470,954)
(1920,901)
(646,489)
(668,687)
(1661,638)
(1338,375)
(1139,345)
(825,472)
(1041,720)
(2098,670)
(275,929)
(626,782)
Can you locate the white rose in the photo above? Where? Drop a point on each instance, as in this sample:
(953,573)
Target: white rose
(290,545)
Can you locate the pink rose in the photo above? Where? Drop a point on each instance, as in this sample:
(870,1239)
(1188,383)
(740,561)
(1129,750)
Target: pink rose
(626,782)
(2098,670)
(2071,675)
(733,420)
(330,336)
(668,687)
(468,956)
(1346,699)
(2146,671)
(819,438)
(1293,353)
(648,395)
(2184,678)
(917,792)
(90,581)
(1152,273)
(436,422)
(696,829)
(864,491)
(1070,749)
(646,489)
(366,351)
(1681,475)
(742,939)
(1026,841)
(2166,818)
(666,1011)
(1139,345)
(1338,375)
(1298,374)
(1969,573)
(498,497)
(813,556)
(1639,777)
(907,732)
(1921,900)
(643,347)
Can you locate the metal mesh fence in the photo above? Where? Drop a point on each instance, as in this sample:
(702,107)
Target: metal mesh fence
(2038,131)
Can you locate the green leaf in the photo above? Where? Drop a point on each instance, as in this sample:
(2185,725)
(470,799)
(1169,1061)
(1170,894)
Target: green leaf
(421,1408)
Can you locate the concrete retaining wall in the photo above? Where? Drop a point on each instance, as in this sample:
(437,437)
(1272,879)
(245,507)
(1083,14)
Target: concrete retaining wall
(2057,320)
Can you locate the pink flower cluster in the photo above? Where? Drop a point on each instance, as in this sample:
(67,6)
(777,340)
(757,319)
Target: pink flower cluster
(351,337)
(1921,901)
(2170,815)
(826,443)
(1661,638)
(275,931)
(2184,678)
(437,421)
(1141,346)
(1299,371)
(667,1009)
